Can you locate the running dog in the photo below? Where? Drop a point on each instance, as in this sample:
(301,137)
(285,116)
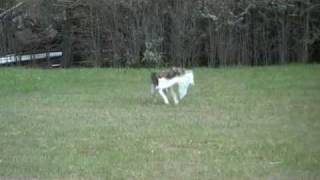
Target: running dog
(165,80)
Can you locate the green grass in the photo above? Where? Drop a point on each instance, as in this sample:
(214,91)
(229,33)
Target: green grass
(236,123)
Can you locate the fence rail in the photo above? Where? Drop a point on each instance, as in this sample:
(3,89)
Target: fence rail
(13,58)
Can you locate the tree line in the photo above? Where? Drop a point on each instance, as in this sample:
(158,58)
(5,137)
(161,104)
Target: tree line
(122,33)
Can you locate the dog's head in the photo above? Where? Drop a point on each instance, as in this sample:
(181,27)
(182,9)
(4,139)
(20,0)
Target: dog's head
(186,80)
(189,77)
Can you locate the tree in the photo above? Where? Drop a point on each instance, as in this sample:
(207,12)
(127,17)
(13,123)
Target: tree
(172,32)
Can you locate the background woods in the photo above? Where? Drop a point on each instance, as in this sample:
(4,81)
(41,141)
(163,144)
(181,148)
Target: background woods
(167,32)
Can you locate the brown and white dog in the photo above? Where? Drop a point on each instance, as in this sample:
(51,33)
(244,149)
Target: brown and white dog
(165,80)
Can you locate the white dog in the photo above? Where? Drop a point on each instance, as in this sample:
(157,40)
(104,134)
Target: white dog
(165,80)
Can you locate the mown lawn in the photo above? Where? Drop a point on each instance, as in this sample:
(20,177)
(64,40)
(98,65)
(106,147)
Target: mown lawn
(236,123)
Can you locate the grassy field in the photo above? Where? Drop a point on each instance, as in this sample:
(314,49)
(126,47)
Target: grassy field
(236,123)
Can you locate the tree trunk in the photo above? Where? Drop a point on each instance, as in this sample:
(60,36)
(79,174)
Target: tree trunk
(67,44)
(306,37)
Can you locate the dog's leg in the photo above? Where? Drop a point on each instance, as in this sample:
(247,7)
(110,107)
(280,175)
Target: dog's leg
(174,95)
(164,97)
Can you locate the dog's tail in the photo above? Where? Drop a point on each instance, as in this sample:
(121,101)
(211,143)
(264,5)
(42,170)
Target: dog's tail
(154,82)
(154,79)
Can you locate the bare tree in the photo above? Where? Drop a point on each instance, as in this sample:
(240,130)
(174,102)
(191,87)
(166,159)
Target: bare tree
(178,32)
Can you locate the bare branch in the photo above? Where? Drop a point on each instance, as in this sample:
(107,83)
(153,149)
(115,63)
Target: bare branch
(11,9)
